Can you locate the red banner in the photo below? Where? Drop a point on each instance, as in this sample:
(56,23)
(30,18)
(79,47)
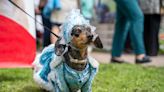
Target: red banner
(17,44)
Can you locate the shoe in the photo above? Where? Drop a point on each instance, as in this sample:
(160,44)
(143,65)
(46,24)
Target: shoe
(113,60)
(145,59)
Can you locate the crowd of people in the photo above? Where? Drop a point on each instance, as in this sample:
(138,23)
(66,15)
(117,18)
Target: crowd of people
(138,19)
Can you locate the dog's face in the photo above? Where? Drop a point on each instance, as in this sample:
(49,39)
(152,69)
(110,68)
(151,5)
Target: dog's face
(82,36)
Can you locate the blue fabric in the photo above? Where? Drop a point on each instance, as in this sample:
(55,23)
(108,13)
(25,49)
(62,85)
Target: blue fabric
(87,87)
(60,80)
(50,6)
(47,55)
(76,79)
(45,59)
(45,71)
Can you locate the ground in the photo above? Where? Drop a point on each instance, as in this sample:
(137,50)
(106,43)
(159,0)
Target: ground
(110,78)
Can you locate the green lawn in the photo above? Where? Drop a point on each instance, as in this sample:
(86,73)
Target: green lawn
(110,78)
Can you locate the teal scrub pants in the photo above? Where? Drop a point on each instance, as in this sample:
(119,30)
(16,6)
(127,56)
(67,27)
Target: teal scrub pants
(130,19)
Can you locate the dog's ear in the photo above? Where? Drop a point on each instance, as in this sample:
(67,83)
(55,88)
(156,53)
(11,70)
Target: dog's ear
(97,42)
(59,48)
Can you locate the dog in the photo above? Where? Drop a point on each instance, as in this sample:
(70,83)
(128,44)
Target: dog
(66,66)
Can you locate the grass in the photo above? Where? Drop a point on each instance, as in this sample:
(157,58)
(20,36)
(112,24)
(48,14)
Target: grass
(17,80)
(110,78)
(129,78)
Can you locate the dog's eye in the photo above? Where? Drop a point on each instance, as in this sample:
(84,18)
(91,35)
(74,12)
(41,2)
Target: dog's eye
(76,32)
(77,35)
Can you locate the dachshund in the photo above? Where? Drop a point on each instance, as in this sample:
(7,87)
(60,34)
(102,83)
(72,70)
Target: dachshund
(66,66)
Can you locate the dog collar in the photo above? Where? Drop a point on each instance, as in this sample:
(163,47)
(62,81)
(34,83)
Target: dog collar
(72,60)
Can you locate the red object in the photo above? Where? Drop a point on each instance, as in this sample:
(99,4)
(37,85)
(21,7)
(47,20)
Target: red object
(17,46)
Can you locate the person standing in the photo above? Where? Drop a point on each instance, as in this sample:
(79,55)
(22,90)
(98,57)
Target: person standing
(152,15)
(129,18)
(45,8)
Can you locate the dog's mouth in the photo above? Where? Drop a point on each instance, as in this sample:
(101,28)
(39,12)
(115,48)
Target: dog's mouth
(85,43)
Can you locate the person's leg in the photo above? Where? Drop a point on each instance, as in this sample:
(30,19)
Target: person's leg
(152,46)
(128,48)
(46,34)
(132,11)
(121,30)
(136,30)
(147,24)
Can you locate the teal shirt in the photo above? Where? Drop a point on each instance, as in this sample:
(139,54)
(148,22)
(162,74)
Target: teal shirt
(76,79)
